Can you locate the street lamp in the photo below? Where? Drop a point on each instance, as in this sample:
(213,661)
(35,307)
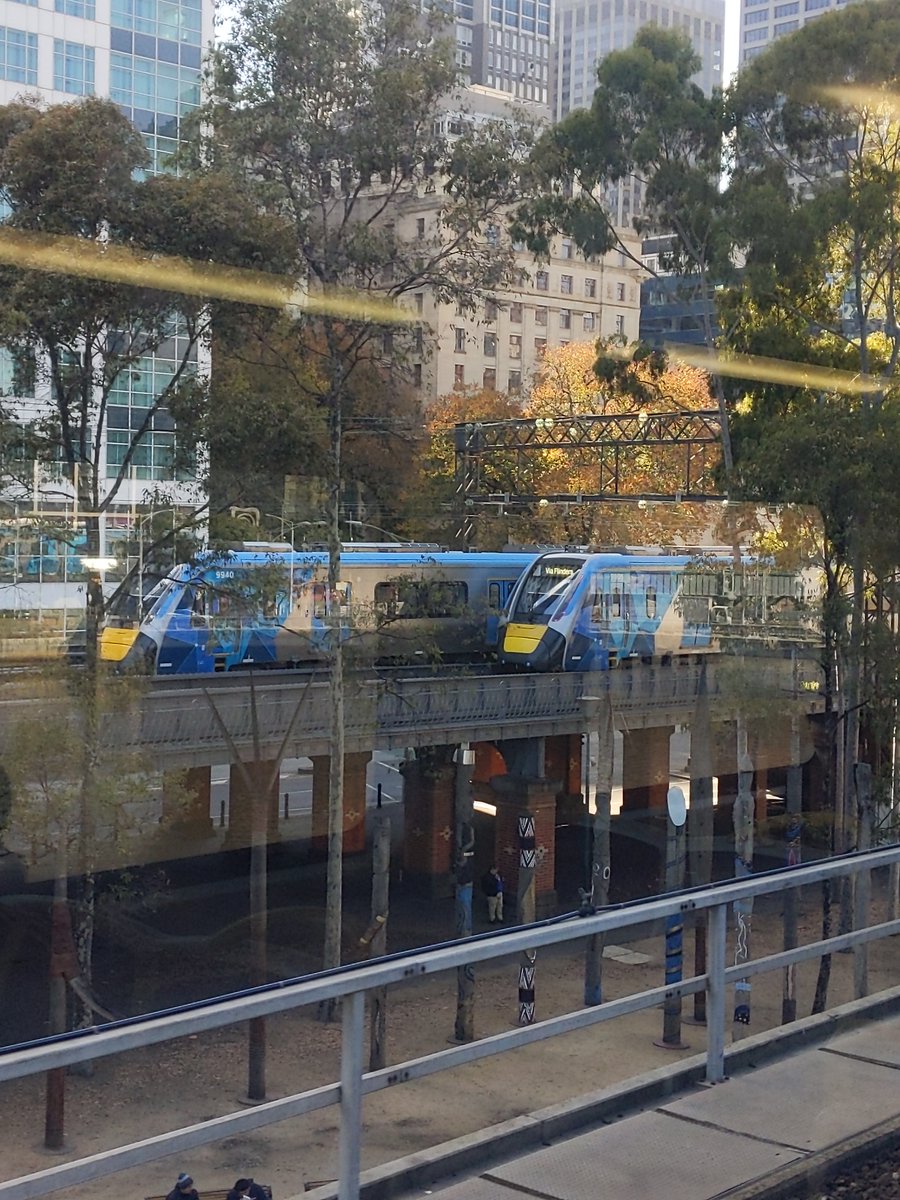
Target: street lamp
(139,527)
(368,525)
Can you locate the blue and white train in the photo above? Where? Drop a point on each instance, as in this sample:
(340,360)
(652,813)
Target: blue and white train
(582,611)
(266,607)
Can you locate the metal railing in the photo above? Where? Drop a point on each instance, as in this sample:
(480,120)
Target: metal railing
(350,985)
(411,712)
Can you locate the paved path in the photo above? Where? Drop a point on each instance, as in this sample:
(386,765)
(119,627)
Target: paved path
(716,1141)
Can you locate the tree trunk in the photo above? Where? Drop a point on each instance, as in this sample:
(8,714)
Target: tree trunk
(61,960)
(333,889)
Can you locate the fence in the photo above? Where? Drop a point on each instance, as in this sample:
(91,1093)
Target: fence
(351,985)
(179,725)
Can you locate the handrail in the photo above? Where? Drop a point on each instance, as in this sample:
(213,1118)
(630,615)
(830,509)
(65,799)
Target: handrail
(351,983)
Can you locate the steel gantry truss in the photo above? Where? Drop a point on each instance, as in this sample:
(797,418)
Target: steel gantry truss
(611,436)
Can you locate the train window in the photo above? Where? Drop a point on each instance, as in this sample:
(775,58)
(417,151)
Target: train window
(386,598)
(543,589)
(320,592)
(615,602)
(495,599)
(650,599)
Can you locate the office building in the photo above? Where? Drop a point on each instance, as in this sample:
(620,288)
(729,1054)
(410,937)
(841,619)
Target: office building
(145,55)
(764,23)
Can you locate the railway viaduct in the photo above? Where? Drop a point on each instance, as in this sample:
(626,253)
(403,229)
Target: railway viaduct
(527,731)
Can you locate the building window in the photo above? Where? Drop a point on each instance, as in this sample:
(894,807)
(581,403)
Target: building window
(515,346)
(540,345)
(164,89)
(73,68)
(514,385)
(566,248)
(565,318)
(492,234)
(540,316)
(490,345)
(77,8)
(542,280)
(420,227)
(460,346)
(176,21)
(420,302)
(515,313)
(417,375)
(490,310)
(620,323)
(489,379)
(620,292)
(786,10)
(459,376)
(565,284)
(755,35)
(786,27)
(590,289)
(18,56)
(589,322)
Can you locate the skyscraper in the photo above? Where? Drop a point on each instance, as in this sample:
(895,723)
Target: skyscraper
(762,23)
(587,30)
(505,44)
(145,55)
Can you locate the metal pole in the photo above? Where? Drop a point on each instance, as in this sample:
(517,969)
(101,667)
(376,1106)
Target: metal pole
(793,850)
(715,994)
(381,868)
(677,814)
(525,899)
(700,825)
(354,1008)
(600,856)
(464,1029)
(743,866)
(863,891)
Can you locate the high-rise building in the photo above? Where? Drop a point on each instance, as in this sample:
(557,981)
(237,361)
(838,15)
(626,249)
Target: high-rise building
(145,55)
(587,30)
(763,23)
(505,44)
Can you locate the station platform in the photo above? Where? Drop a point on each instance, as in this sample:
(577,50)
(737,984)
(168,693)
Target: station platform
(765,1132)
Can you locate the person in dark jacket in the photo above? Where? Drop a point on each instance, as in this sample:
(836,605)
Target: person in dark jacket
(184,1189)
(246,1189)
(492,886)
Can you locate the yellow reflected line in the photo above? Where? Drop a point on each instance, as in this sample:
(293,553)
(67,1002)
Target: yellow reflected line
(60,255)
(776,370)
(861,97)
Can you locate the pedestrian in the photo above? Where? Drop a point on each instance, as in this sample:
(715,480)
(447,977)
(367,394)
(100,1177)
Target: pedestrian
(492,886)
(247,1189)
(184,1189)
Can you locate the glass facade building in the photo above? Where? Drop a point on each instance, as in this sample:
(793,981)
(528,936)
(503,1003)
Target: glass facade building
(763,23)
(505,44)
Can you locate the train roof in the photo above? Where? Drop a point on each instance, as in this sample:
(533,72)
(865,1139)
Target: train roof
(248,559)
(614,560)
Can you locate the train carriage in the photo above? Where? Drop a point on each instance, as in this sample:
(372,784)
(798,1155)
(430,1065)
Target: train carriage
(582,611)
(267,608)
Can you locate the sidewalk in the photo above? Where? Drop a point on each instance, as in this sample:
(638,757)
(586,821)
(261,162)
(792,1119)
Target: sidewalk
(760,1134)
(714,1140)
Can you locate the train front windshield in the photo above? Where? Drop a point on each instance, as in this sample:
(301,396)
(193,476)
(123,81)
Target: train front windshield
(544,586)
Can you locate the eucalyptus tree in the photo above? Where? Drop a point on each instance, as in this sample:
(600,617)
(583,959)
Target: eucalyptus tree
(348,120)
(648,121)
(815,201)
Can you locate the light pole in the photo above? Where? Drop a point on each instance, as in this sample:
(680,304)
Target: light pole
(139,527)
(368,525)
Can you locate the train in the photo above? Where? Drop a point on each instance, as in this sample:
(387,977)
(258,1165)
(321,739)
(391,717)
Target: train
(583,611)
(265,607)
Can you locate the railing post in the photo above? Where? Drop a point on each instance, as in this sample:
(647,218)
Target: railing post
(351,1095)
(715,995)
